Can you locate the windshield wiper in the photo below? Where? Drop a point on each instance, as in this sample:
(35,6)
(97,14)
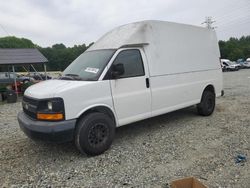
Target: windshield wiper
(74,77)
(70,77)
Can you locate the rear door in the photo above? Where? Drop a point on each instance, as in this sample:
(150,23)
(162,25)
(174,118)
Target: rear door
(131,91)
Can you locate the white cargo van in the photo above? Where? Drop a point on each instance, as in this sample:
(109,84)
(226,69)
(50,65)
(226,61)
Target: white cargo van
(134,72)
(228,65)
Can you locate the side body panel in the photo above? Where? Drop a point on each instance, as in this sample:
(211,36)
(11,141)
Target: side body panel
(175,49)
(176,91)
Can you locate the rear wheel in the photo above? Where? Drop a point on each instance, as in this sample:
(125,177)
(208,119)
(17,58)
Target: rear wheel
(207,104)
(94,133)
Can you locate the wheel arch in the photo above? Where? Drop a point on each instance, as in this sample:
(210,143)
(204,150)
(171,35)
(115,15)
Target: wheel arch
(102,108)
(208,87)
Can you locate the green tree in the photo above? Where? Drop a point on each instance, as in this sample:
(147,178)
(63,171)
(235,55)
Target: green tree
(14,42)
(234,48)
(59,56)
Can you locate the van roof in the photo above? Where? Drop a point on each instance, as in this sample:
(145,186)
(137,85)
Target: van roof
(182,47)
(134,34)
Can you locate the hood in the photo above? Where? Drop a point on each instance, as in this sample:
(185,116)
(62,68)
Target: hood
(232,66)
(50,88)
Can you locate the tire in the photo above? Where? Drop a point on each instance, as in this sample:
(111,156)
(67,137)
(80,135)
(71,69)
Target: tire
(94,133)
(207,104)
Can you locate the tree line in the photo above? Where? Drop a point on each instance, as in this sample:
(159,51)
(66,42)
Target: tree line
(60,56)
(235,48)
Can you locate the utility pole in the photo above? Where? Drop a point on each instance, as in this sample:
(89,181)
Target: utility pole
(209,22)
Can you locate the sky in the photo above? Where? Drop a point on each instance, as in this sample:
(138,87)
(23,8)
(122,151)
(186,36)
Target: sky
(47,22)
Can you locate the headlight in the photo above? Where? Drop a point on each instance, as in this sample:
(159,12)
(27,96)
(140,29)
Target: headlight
(51,109)
(50,106)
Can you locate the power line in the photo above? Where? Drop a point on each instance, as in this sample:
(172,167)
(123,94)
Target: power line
(232,17)
(237,20)
(4,29)
(243,30)
(232,13)
(243,23)
(229,8)
(237,13)
(234,22)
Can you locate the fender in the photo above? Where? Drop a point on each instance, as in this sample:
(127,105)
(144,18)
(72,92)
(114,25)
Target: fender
(99,105)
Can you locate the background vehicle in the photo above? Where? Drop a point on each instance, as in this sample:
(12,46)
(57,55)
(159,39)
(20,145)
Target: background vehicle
(240,62)
(228,65)
(246,64)
(136,71)
(38,76)
(223,66)
(8,78)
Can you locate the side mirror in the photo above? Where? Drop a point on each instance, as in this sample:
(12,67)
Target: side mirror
(117,70)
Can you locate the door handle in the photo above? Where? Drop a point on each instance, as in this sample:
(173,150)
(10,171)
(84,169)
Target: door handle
(147,82)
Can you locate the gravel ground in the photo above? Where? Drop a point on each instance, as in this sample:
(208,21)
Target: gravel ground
(149,153)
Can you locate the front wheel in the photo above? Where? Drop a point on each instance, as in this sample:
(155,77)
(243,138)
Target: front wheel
(207,104)
(94,133)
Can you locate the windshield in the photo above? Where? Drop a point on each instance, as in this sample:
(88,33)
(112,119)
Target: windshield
(230,63)
(89,65)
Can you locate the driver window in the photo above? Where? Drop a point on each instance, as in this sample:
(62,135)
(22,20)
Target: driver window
(132,62)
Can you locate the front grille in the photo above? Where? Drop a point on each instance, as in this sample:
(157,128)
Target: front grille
(30,114)
(30,100)
(30,106)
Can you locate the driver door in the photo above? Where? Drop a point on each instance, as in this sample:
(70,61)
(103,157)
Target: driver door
(131,91)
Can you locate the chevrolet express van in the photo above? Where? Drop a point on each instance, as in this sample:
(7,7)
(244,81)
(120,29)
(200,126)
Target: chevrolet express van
(134,72)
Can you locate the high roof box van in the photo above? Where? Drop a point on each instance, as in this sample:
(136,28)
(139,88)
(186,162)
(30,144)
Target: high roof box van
(134,72)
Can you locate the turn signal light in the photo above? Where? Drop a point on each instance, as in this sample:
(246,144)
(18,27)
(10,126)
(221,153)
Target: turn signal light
(58,116)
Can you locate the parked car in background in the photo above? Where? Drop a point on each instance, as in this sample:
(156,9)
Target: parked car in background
(236,64)
(228,65)
(9,78)
(39,76)
(246,64)
(240,62)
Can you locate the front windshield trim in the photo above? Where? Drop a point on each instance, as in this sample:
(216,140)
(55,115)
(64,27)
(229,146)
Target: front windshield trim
(114,51)
(95,59)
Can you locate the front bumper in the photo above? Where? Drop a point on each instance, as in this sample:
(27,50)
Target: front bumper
(60,131)
(232,68)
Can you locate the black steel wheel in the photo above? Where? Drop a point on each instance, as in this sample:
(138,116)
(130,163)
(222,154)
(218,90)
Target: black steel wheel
(207,104)
(94,133)
(98,135)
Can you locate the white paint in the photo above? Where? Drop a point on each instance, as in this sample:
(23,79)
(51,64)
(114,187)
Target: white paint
(132,99)
(173,48)
(180,61)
